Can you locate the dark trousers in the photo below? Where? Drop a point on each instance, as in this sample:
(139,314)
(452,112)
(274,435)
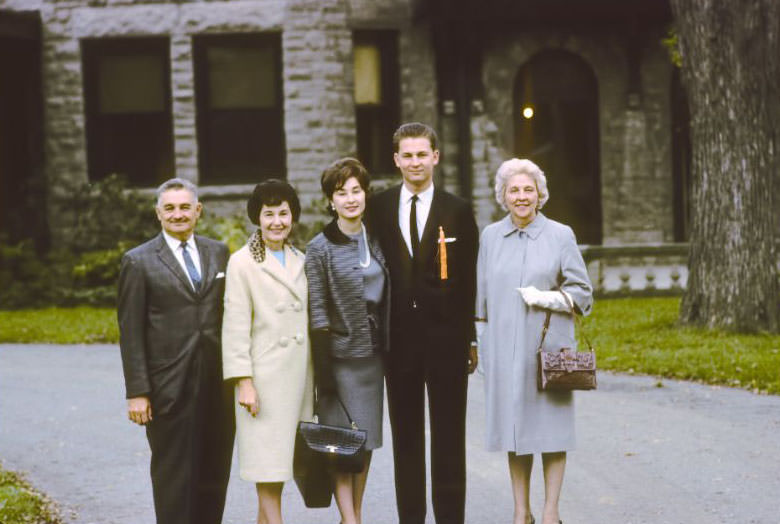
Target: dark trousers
(192,448)
(413,367)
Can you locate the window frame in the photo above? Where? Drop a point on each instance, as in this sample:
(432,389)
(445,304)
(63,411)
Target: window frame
(387,114)
(209,174)
(101,127)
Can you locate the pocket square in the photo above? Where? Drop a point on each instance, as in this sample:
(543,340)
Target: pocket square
(221,274)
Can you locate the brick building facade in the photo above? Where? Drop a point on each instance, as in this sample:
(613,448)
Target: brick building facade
(225,93)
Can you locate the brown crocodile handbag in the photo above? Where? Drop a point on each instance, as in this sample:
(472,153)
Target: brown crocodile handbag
(565,369)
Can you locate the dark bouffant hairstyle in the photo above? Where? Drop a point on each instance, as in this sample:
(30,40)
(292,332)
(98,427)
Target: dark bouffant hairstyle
(272,192)
(336,175)
(415,130)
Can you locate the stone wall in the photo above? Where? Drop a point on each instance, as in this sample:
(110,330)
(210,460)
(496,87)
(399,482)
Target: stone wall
(319,118)
(486,156)
(318,84)
(66,22)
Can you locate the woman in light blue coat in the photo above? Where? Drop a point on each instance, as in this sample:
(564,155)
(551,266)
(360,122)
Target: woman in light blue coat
(522,259)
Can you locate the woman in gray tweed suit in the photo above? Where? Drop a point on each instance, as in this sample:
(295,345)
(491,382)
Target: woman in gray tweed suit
(348,315)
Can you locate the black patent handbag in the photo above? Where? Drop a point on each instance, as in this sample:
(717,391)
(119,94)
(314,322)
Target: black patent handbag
(344,447)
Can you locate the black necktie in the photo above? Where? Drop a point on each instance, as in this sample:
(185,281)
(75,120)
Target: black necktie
(413,234)
(190,265)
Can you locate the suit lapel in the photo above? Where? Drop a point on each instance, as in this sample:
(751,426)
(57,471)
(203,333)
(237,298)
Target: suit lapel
(206,265)
(165,255)
(428,242)
(392,215)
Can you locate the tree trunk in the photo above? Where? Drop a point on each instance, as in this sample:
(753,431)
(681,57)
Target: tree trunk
(731,71)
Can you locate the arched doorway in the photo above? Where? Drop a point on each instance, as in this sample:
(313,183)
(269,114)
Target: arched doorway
(561,134)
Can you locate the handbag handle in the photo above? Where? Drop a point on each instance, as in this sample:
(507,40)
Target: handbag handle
(576,322)
(352,422)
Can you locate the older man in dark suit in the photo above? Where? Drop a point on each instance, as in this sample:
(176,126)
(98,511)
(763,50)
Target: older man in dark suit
(170,319)
(432,313)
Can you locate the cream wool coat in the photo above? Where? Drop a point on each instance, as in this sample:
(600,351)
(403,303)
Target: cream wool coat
(264,336)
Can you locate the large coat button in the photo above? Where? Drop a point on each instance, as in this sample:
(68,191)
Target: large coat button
(284,341)
(299,338)
(280,307)
(297,306)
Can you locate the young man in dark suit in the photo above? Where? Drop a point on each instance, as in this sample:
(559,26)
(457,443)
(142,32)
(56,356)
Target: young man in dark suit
(170,319)
(432,313)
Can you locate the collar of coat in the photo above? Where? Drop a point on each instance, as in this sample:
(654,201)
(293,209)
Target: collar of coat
(257,247)
(532,230)
(290,275)
(334,234)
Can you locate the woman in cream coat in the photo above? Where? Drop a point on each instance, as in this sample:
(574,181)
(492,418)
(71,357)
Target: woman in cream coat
(265,345)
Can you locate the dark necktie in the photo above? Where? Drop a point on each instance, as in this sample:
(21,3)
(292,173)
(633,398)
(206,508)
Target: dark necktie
(413,234)
(191,269)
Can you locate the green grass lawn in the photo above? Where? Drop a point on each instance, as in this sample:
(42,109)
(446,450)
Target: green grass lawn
(641,335)
(79,325)
(20,503)
(633,335)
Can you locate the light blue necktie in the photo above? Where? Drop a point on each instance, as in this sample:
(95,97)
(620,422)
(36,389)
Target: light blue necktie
(191,269)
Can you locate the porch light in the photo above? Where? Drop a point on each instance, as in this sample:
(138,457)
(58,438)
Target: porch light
(528,112)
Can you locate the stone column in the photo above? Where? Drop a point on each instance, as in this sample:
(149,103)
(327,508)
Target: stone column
(183,107)
(64,132)
(318,87)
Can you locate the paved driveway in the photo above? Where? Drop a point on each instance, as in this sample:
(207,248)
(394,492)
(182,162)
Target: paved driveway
(681,453)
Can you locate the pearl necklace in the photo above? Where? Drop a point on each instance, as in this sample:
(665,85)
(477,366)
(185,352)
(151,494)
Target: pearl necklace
(368,252)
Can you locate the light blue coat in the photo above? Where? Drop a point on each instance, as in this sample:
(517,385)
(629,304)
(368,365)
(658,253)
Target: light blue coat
(544,255)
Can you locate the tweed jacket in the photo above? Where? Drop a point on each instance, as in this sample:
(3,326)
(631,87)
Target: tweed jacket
(336,292)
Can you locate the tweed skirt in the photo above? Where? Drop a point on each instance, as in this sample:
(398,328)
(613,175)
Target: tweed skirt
(360,383)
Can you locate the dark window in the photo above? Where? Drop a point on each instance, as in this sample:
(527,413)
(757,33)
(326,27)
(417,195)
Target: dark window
(556,126)
(127,97)
(238,91)
(376,98)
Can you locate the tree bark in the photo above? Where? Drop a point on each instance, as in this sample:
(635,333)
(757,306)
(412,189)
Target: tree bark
(731,71)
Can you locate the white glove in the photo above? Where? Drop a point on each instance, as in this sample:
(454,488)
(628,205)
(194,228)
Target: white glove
(552,300)
(479,327)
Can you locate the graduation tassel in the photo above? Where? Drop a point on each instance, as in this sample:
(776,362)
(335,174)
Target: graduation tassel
(442,254)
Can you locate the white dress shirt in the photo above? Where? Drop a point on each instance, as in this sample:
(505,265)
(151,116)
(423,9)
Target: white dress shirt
(175,245)
(424,200)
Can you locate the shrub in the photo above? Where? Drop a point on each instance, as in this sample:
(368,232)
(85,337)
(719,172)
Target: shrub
(29,279)
(110,219)
(232,230)
(109,213)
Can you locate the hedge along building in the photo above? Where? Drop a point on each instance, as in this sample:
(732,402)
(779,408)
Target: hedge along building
(226,93)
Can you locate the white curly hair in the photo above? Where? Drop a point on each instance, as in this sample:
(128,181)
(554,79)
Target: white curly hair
(517,166)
